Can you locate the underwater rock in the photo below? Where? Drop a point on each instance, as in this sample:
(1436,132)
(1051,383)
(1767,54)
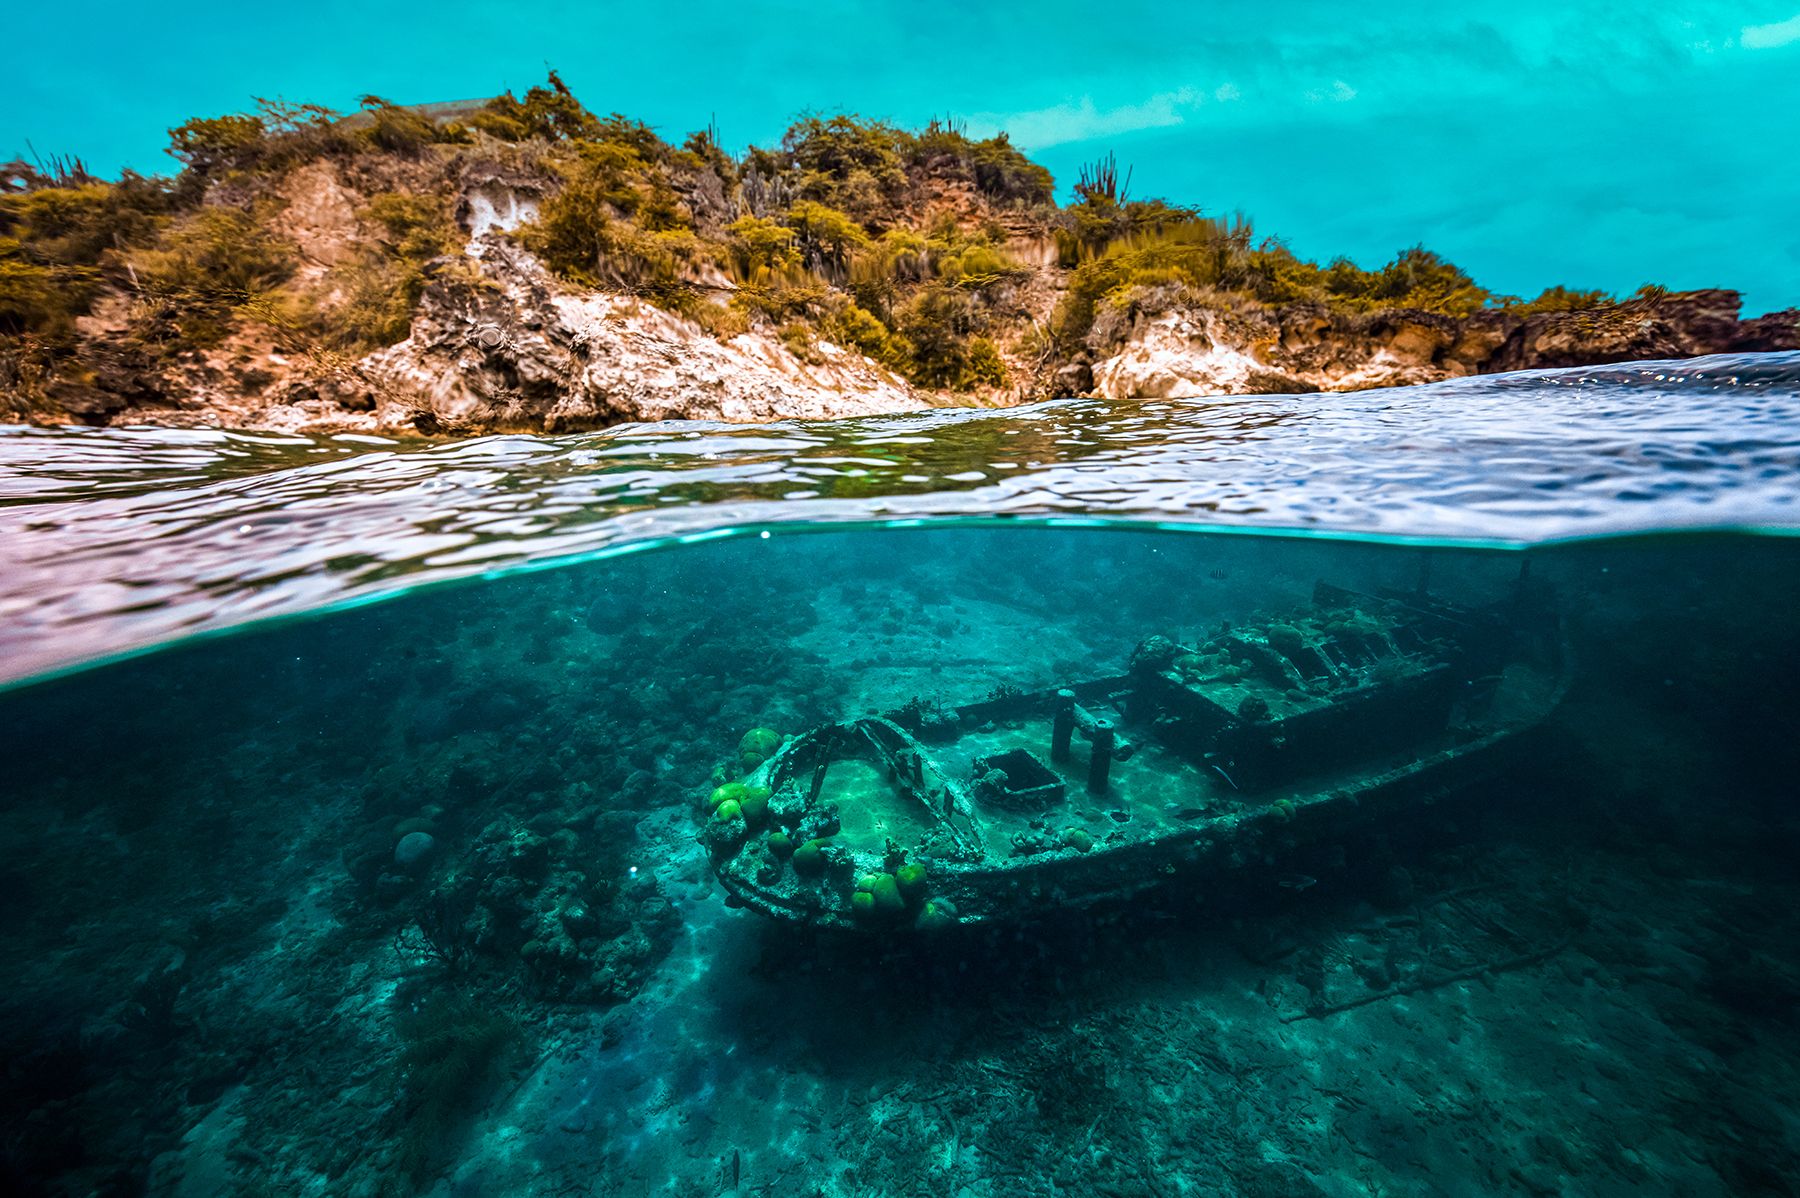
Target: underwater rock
(413,850)
(936,915)
(1153,653)
(1254,708)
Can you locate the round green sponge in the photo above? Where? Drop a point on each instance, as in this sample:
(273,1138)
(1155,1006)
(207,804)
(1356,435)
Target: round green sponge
(1079,839)
(731,790)
(913,881)
(754,803)
(757,746)
(809,859)
(885,892)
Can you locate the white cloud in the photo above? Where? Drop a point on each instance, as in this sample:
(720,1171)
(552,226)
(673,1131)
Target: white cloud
(1083,120)
(1338,93)
(1767,37)
(1227,92)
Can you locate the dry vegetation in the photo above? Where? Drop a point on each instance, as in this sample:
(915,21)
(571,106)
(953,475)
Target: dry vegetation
(901,245)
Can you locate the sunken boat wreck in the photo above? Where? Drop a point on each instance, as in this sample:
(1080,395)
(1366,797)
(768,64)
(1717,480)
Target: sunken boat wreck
(1200,758)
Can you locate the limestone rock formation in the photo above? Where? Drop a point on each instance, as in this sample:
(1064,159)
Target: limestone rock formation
(1197,351)
(511,347)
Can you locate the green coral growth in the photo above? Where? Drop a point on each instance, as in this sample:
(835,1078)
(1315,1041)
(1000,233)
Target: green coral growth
(746,796)
(757,746)
(878,896)
(887,895)
(809,858)
(755,806)
(1079,839)
(913,880)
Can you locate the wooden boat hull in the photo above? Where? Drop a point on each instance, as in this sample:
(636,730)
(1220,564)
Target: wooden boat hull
(990,813)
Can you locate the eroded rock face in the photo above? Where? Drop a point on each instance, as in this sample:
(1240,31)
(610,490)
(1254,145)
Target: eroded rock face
(1195,352)
(496,343)
(509,347)
(1679,325)
(499,343)
(1189,350)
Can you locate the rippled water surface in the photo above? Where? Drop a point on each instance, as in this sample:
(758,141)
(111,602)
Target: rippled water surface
(111,539)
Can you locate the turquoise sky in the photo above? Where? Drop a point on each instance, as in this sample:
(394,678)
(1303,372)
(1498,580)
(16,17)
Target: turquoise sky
(1592,144)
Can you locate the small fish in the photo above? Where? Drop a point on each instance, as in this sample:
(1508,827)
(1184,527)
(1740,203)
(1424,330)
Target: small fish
(1296,881)
(1190,813)
(1221,772)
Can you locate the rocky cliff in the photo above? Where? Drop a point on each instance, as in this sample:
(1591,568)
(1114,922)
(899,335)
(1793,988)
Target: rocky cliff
(1205,350)
(547,270)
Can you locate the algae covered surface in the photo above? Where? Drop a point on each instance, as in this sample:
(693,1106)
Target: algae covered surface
(414,897)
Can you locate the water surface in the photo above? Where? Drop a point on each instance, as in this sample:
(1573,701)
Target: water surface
(117,538)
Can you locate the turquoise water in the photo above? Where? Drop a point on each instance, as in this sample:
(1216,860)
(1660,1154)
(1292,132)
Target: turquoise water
(423,895)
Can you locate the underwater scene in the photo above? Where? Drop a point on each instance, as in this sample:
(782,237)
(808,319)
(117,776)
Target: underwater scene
(1148,801)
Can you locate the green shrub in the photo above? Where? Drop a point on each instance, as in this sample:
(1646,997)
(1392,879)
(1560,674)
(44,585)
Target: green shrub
(1102,214)
(552,113)
(1004,173)
(396,129)
(1195,251)
(73,226)
(995,166)
(57,242)
(209,144)
(761,247)
(1562,299)
(39,299)
(709,155)
(219,252)
(28,364)
(857,328)
(976,265)
(617,220)
(885,268)
(826,235)
(278,135)
(572,231)
(793,295)
(1416,278)
(382,285)
(943,326)
(798,338)
(847,163)
(208,264)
